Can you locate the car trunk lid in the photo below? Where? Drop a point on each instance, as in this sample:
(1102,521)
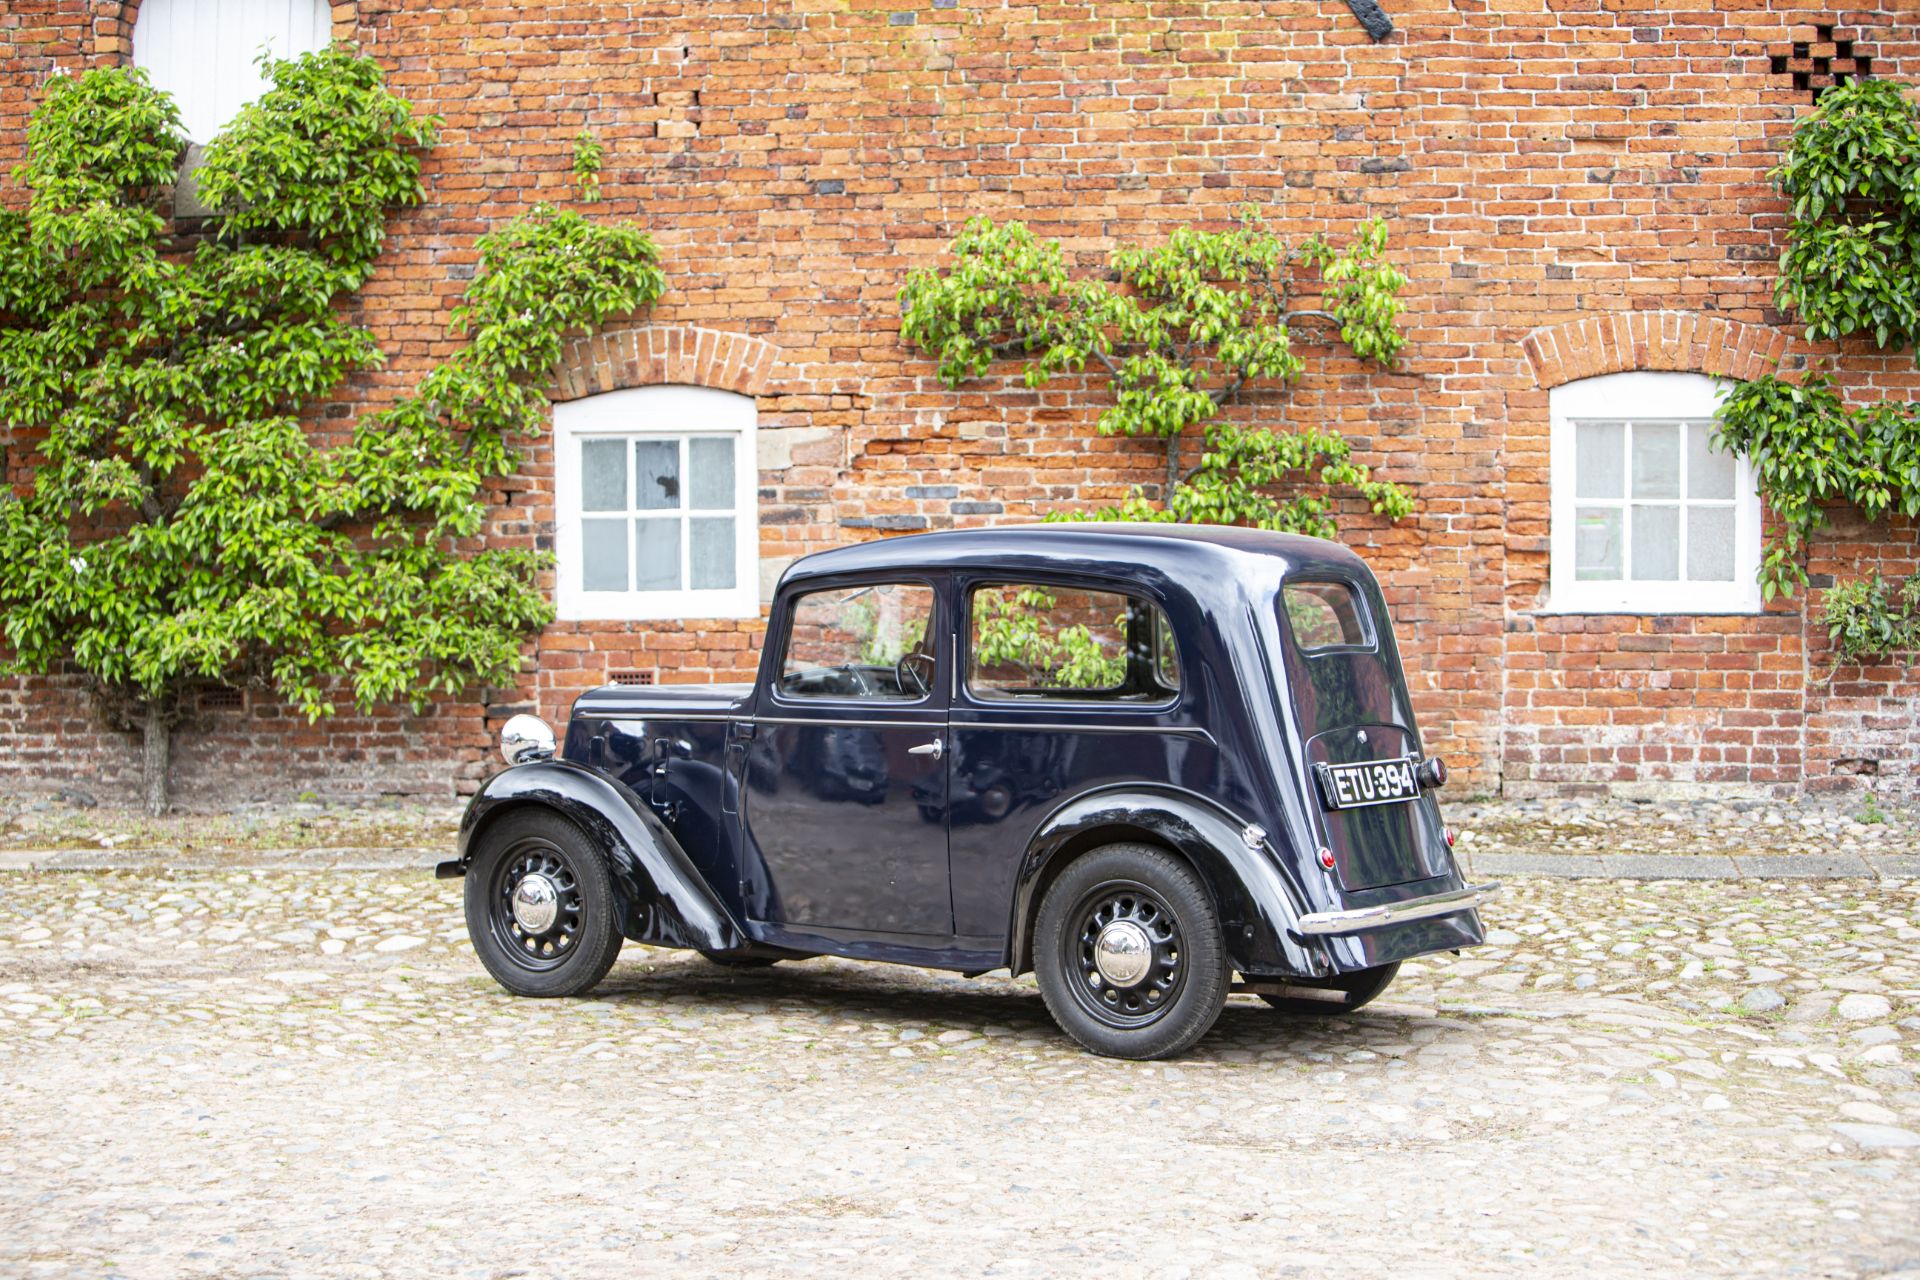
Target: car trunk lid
(1345,682)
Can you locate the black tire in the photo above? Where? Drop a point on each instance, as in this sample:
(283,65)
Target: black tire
(1357,988)
(1176,1000)
(573,953)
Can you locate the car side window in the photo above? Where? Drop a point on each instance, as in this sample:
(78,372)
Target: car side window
(867,641)
(1031,642)
(1324,615)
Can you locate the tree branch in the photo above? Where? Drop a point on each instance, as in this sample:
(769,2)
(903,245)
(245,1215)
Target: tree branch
(1222,397)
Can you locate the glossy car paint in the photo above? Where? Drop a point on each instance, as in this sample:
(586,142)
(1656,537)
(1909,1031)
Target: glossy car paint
(814,830)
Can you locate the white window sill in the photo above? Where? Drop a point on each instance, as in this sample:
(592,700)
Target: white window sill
(1705,604)
(1628,611)
(665,606)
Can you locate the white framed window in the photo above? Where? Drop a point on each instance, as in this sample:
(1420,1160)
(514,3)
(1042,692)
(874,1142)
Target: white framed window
(1648,517)
(205,52)
(655,505)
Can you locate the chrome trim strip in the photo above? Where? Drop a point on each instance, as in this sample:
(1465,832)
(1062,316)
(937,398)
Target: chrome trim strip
(929,726)
(1191,731)
(667,713)
(721,717)
(1440,904)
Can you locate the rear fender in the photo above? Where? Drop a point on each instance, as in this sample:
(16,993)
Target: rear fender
(1255,906)
(659,896)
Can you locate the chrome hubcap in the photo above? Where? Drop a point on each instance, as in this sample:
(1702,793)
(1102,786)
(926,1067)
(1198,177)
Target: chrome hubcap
(538,909)
(536,904)
(1123,953)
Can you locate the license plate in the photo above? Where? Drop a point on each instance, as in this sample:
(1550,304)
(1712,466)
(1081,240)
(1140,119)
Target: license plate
(1354,786)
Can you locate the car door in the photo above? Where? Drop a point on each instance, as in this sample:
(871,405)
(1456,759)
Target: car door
(845,805)
(1068,685)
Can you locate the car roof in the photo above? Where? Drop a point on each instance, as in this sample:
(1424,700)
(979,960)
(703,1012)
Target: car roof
(1183,552)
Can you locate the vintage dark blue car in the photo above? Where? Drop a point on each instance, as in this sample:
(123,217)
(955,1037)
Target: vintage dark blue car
(1133,759)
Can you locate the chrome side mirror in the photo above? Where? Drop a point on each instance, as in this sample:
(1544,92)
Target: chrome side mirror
(527,738)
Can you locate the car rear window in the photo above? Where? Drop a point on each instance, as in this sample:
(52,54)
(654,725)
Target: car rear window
(1324,615)
(1032,641)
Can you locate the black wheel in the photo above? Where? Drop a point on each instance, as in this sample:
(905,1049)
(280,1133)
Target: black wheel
(1345,991)
(1129,955)
(739,962)
(540,907)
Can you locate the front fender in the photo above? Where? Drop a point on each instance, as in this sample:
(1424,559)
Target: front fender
(659,896)
(1257,910)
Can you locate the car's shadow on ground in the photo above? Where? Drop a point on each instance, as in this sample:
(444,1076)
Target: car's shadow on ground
(887,998)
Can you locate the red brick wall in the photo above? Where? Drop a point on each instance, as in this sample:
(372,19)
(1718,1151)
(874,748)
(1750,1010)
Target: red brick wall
(1542,164)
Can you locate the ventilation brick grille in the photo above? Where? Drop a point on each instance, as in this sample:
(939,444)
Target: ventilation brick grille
(1833,57)
(221,698)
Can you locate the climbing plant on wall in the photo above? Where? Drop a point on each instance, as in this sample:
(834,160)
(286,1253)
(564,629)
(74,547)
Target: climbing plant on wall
(179,523)
(1809,448)
(1851,177)
(1851,268)
(1180,331)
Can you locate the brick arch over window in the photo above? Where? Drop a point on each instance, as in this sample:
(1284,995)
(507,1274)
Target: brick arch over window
(652,355)
(1675,341)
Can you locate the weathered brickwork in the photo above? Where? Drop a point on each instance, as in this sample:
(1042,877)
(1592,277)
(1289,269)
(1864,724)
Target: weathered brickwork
(1575,187)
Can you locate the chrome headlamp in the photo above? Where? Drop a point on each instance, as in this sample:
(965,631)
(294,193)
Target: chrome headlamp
(527,738)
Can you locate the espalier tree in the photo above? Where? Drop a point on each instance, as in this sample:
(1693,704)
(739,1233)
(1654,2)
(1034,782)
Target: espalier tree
(181,526)
(1851,269)
(1180,331)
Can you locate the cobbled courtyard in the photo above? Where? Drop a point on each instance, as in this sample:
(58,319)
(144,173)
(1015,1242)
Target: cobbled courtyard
(305,1073)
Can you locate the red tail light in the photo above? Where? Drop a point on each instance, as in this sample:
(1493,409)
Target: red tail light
(1326,857)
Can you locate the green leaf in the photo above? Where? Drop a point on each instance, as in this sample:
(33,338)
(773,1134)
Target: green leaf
(181,523)
(1179,331)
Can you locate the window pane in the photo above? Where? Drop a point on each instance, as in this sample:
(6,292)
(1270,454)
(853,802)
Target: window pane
(1599,460)
(1166,653)
(1709,470)
(1034,642)
(1323,615)
(710,548)
(710,475)
(1656,544)
(603,554)
(1710,544)
(1596,544)
(656,555)
(203,51)
(860,642)
(656,475)
(1656,460)
(603,475)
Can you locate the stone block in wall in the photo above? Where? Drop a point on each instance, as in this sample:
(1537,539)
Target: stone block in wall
(778,445)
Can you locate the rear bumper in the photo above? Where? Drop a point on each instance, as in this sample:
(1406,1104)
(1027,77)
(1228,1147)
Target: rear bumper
(1322,923)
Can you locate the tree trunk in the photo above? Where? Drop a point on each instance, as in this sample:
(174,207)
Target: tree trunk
(156,756)
(1173,468)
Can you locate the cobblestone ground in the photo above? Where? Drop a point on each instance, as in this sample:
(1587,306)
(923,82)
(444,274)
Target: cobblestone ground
(249,1073)
(1820,827)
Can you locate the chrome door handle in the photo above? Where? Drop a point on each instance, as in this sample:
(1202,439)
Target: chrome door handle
(936,749)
